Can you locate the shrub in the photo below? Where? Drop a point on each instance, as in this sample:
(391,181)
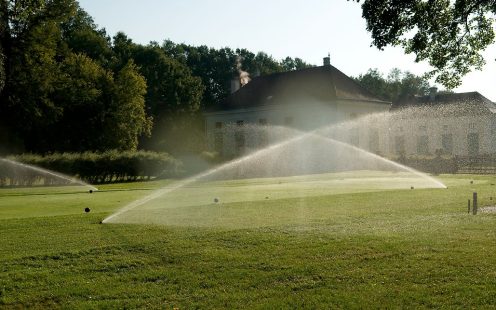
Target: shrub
(109,166)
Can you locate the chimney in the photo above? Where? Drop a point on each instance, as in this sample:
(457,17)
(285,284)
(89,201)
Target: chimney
(327,60)
(235,84)
(432,93)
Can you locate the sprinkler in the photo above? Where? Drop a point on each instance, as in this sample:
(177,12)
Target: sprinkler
(87,210)
(216,200)
(266,197)
(471,182)
(90,191)
(411,187)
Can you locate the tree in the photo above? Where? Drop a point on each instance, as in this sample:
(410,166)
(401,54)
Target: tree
(397,84)
(171,87)
(82,36)
(84,93)
(128,119)
(31,47)
(449,35)
(290,64)
(99,112)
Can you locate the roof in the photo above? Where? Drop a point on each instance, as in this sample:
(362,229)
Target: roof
(449,103)
(324,84)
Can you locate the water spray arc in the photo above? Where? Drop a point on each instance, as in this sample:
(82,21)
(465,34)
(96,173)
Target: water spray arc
(47,172)
(197,177)
(390,162)
(259,162)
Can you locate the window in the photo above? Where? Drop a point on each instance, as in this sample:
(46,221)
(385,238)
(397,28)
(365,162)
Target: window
(400,129)
(263,134)
(473,144)
(288,120)
(218,138)
(445,127)
(423,128)
(471,126)
(263,138)
(374,140)
(239,138)
(354,137)
(423,145)
(219,142)
(399,145)
(447,143)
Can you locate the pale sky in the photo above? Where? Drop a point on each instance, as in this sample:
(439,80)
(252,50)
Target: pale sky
(306,29)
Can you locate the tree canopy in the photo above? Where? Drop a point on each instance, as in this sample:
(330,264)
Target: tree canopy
(65,85)
(449,35)
(395,85)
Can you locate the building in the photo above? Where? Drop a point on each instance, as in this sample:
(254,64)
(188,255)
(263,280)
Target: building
(461,124)
(303,99)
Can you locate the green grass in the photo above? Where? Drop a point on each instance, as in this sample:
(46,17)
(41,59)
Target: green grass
(360,249)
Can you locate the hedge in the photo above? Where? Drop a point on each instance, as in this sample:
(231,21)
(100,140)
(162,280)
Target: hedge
(94,168)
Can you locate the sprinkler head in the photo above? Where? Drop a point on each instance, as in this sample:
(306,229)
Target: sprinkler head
(266,197)
(411,187)
(471,182)
(87,210)
(90,191)
(216,200)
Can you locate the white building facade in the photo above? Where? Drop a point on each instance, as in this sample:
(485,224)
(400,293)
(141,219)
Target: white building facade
(451,124)
(303,100)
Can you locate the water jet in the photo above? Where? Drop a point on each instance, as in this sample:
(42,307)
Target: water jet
(16,173)
(302,164)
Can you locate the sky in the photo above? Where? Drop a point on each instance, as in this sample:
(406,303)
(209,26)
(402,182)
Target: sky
(306,29)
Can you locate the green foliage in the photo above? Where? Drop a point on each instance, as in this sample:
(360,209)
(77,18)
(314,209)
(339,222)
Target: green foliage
(290,64)
(63,91)
(66,86)
(109,166)
(82,36)
(128,120)
(450,35)
(396,85)
(217,67)
(171,87)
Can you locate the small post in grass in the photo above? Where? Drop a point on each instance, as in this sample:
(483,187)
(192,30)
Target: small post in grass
(474,206)
(469,206)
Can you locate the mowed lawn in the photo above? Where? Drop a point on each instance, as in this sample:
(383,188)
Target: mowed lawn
(374,249)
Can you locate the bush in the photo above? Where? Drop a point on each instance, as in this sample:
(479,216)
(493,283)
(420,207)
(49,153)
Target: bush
(106,167)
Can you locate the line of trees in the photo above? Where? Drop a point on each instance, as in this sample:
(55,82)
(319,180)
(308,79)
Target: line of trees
(395,85)
(65,85)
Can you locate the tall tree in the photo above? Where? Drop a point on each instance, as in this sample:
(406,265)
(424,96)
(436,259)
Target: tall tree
(84,93)
(397,84)
(290,64)
(449,35)
(81,35)
(128,119)
(31,41)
